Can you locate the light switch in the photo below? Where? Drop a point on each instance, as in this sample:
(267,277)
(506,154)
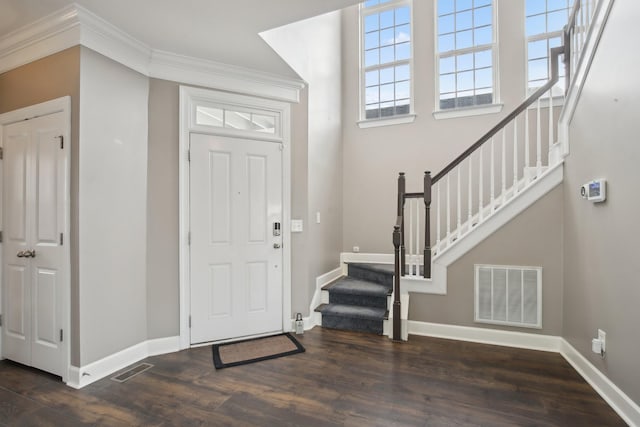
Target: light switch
(296,226)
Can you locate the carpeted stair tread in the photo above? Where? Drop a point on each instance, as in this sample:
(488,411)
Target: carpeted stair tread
(353,311)
(387,269)
(349,285)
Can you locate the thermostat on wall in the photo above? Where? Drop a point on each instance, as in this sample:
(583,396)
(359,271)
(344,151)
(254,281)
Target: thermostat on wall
(595,191)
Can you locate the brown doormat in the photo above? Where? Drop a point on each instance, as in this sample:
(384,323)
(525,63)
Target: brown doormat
(254,350)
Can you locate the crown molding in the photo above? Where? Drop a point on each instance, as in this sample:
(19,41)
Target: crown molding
(51,34)
(216,75)
(75,25)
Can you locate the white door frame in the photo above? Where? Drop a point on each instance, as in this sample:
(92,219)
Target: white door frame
(58,105)
(190,98)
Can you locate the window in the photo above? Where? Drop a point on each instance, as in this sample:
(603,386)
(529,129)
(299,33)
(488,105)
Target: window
(386,58)
(545,20)
(465,53)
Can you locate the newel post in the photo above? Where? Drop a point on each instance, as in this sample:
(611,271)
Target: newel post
(401,192)
(397,240)
(427,225)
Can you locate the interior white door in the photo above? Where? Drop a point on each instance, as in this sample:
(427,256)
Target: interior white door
(33,260)
(236,257)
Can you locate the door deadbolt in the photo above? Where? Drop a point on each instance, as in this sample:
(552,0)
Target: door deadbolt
(276,229)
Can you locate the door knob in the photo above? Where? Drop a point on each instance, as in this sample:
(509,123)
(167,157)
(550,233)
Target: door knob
(27,254)
(20,254)
(276,246)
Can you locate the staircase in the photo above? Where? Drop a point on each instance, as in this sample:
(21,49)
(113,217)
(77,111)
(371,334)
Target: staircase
(359,301)
(506,170)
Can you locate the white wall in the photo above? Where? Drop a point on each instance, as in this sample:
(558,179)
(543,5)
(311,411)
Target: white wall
(313,49)
(112,207)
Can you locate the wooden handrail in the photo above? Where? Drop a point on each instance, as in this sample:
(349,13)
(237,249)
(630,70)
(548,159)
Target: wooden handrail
(555,54)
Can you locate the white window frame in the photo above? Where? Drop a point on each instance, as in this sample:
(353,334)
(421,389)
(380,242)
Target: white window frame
(557,97)
(409,117)
(474,110)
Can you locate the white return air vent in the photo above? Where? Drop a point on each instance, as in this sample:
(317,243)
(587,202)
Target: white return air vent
(508,295)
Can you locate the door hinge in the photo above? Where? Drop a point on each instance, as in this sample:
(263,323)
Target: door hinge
(61,335)
(0,236)
(0,319)
(61,141)
(188,155)
(189,238)
(61,239)
(189,321)
(1,153)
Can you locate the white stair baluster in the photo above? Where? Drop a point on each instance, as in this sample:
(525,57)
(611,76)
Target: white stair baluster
(515,156)
(551,121)
(410,249)
(469,198)
(459,207)
(417,252)
(492,170)
(438,206)
(448,208)
(538,141)
(480,186)
(503,193)
(526,147)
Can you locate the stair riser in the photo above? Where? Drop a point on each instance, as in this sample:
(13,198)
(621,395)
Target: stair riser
(350,324)
(372,276)
(361,300)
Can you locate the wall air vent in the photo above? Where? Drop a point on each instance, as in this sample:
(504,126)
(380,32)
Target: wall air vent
(508,295)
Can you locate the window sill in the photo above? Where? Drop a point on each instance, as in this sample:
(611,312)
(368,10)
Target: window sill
(467,112)
(390,121)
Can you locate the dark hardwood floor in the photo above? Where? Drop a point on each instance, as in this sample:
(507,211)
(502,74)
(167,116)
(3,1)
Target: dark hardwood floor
(343,379)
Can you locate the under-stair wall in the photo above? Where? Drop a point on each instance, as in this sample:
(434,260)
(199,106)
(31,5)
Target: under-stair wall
(533,238)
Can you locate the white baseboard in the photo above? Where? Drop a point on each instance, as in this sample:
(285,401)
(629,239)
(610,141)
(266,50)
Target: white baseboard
(628,410)
(315,319)
(81,377)
(486,336)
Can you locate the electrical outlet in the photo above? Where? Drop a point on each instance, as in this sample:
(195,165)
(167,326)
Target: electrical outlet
(602,336)
(356,249)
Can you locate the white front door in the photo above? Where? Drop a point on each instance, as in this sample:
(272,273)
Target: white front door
(236,257)
(34,209)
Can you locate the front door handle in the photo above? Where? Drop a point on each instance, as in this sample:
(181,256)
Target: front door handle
(276,246)
(20,254)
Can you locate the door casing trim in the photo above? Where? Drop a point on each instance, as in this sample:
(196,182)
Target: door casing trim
(188,95)
(58,105)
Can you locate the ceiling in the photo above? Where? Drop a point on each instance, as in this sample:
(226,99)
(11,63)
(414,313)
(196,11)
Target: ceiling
(218,30)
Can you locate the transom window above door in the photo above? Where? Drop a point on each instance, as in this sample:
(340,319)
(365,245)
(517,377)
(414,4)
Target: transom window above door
(230,119)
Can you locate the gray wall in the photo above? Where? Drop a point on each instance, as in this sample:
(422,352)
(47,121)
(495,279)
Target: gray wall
(163,308)
(373,157)
(601,263)
(533,238)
